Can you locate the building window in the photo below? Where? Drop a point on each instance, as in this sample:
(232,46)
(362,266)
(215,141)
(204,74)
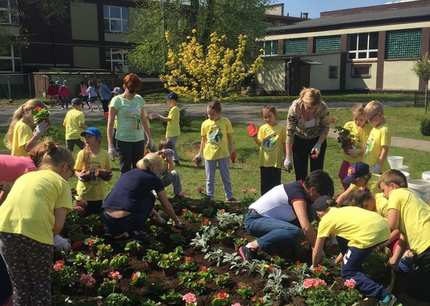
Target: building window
(9,62)
(363,46)
(8,12)
(403,44)
(117,60)
(115,19)
(327,44)
(332,72)
(296,46)
(361,71)
(270,47)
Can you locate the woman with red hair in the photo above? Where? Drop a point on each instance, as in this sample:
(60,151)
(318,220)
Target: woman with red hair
(132,124)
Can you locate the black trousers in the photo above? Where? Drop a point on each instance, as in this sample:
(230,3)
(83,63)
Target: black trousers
(94,207)
(105,105)
(129,154)
(71,143)
(6,285)
(301,156)
(416,281)
(269,178)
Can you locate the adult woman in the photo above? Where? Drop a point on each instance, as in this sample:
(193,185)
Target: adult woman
(132,124)
(307,130)
(131,200)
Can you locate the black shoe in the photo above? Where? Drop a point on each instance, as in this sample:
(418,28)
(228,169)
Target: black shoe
(245,253)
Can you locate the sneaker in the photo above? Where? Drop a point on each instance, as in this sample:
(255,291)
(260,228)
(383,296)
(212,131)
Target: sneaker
(232,200)
(389,300)
(246,253)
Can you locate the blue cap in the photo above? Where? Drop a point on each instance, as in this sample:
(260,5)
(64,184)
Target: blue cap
(92,131)
(355,171)
(172,96)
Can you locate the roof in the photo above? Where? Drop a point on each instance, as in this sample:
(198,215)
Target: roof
(348,20)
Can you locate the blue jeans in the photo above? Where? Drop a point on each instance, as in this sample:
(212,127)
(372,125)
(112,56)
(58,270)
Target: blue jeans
(353,259)
(210,167)
(173,178)
(172,141)
(271,232)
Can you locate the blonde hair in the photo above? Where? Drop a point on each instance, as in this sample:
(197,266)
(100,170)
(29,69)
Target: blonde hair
(17,115)
(55,156)
(314,94)
(148,161)
(394,177)
(358,110)
(374,107)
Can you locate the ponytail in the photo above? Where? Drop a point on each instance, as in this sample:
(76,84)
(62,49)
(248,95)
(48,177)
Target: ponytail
(55,156)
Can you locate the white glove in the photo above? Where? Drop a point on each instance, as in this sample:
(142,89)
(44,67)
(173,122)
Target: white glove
(61,244)
(41,129)
(288,164)
(376,169)
(315,152)
(112,152)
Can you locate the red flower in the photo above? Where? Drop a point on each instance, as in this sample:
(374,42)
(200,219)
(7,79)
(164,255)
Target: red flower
(188,259)
(206,221)
(59,265)
(203,269)
(115,275)
(222,295)
(313,282)
(189,298)
(90,242)
(350,283)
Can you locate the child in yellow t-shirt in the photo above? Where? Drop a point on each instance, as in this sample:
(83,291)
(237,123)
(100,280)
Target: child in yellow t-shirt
(359,130)
(92,168)
(357,178)
(379,140)
(21,137)
(271,141)
(216,147)
(173,129)
(32,214)
(74,124)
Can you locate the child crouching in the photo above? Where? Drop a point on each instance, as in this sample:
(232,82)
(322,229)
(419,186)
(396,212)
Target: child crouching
(170,175)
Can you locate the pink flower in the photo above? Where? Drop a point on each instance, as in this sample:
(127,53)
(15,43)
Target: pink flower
(115,275)
(59,265)
(90,242)
(350,283)
(189,298)
(236,304)
(313,282)
(222,295)
(87,280)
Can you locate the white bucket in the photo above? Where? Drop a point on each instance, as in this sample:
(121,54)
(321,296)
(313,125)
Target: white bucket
(396,162)
(421,188)
(426,176)
(407,174)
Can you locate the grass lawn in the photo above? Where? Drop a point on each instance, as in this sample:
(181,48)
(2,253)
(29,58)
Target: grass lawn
(245,173)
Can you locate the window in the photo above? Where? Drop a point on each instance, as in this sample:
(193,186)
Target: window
(296,46)
(117,60)
(327,44)
(115,19)
(403,44)
(8,12)
(9,62)
(363,46)
(332,72)
(360,71)
(270,47)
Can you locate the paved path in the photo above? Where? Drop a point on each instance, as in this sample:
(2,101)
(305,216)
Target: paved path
(237,112)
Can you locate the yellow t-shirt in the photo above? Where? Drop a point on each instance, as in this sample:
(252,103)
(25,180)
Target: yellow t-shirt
(173,129)
(362,228)
(360,138)
(216,138)
(414,221)
(92,190)
(381,204)
(29,207)
(74,124)
(378,138)
(272,139)
(22,134)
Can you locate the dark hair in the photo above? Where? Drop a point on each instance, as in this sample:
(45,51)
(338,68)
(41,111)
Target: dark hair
(164,144)
(54,156)
(394,176)
(270,109)
(132,82)
(359,197)
(215,105)
(321,181)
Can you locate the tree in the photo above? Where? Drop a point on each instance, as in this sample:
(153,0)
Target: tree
(422,70)
(206,73)
(225,17)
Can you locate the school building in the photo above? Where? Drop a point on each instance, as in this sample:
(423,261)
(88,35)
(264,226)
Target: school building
(362,49)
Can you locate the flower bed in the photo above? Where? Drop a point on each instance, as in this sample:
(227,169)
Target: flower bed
(196,266)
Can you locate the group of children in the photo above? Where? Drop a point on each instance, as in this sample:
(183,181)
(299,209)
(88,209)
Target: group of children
(400,218)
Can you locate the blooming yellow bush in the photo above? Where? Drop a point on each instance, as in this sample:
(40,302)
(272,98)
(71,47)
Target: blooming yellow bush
(205,74)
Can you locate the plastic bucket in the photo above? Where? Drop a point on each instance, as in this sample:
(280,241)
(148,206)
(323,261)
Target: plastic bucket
(421,188)
(407,174)
(426,176)
(396,162)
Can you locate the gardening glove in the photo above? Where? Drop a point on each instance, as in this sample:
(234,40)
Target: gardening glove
(61,244)
(376,169)
(41,129)
(112,152)
(315,152)
(288,164)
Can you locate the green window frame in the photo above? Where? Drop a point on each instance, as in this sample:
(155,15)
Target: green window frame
(403,44)
(296,46)
(327,44)
(270,47)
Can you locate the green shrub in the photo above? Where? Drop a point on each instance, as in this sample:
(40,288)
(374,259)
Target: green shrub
(425,127)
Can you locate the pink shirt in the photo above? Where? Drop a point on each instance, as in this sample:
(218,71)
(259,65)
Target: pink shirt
(12,167)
